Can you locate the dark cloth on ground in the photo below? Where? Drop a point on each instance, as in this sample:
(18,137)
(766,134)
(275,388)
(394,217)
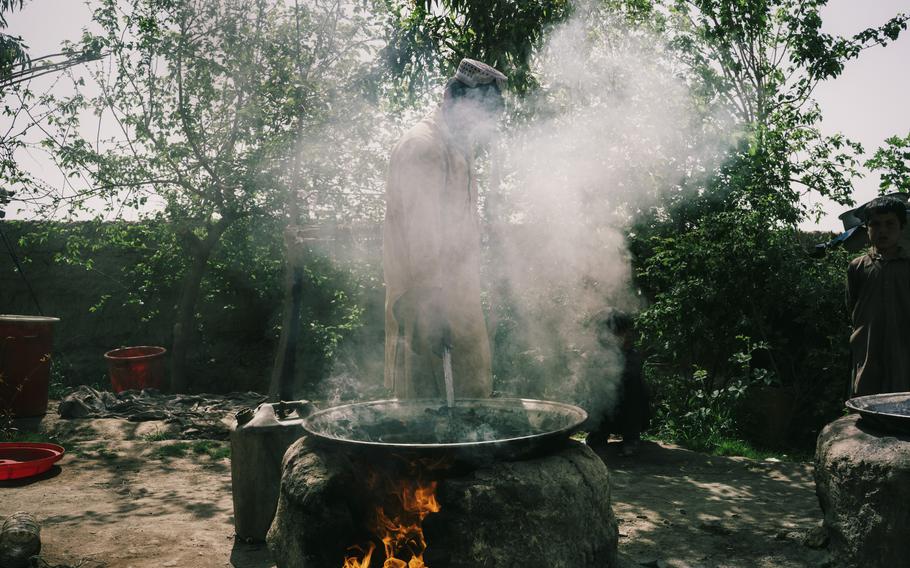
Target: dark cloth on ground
(878,297)
(196,416)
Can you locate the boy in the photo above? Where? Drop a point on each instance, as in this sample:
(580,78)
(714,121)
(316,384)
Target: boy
(878,297)
(630,415)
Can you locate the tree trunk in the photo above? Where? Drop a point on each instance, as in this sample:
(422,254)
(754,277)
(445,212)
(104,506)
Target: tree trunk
(281,386)
(189,296)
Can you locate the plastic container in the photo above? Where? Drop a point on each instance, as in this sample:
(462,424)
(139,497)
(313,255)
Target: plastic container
(136,368)
(20,540)
(25,363)
(258,444)
(25,459)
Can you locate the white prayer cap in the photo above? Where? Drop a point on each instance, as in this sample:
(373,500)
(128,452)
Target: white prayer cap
(473,73)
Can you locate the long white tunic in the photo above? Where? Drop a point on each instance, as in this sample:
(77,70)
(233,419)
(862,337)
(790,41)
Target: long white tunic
(431,263)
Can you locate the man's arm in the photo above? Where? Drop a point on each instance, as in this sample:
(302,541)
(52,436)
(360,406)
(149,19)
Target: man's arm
(854,283)
(420,177)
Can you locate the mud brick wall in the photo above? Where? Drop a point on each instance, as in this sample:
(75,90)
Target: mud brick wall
(69,292)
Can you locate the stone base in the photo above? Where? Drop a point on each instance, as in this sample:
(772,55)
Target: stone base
(547,512)
(862,478)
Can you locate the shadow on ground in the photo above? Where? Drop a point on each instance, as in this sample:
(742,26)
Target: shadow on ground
(688,509)
(250,555)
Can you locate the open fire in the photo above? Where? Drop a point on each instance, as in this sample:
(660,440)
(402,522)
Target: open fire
(397,523)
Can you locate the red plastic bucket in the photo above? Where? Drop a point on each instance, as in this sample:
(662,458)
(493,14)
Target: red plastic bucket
(25,363)
(136,368)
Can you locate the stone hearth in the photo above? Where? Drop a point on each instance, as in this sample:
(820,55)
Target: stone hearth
(548,512)
(862,478)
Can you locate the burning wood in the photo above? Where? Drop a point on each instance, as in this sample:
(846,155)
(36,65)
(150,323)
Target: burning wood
(399,526)
(354,562)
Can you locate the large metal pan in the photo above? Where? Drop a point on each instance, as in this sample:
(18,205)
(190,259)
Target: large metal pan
(473,430)
(889,412)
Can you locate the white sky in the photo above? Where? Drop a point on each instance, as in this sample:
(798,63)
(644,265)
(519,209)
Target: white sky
(868,103)
(871,100)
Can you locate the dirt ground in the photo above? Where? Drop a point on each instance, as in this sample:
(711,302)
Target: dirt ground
(682,509)
(119,500)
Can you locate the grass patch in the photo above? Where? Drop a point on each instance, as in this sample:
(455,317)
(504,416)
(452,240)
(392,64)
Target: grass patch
(158,436)
(177,450)
(731,447)
(95,451)
(214,450)
(734,447)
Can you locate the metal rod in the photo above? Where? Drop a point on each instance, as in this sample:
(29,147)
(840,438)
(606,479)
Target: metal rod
(447,375)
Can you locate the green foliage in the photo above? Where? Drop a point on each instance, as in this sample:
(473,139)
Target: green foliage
(736,296)
(759,61)
(735,301)
(158,436)
(241,118)
(12,49)
(59,385)
(228,113)
(762,55)
(169,451)
(737,447)
(691,412)
(211,448)
(893,161)
(137,270)
(428,38)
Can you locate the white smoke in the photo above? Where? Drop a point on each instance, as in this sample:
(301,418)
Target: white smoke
(610,128)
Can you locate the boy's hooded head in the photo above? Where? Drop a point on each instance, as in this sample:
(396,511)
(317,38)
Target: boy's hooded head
(885,205)
(616,323)
(885,219)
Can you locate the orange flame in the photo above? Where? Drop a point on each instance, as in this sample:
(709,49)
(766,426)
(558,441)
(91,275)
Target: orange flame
(353,562)
(401,534)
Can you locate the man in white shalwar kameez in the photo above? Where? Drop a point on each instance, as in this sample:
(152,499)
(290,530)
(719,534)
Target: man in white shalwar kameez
(431,244)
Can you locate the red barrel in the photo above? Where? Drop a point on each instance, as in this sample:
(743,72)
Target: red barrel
(25,363)
(136,368)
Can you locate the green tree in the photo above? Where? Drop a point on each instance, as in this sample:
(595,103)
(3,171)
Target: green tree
(427,38)
(893,161)
(211,99)
(12,49)
(17,70)
(734,299)
(760,61)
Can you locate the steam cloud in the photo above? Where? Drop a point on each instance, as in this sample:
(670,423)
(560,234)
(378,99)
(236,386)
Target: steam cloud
(610,127)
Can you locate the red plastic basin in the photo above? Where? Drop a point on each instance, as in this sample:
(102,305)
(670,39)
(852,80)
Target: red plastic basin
(25,459)
(136,368)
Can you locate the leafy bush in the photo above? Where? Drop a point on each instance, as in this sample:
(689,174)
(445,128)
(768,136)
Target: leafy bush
(737,304)
(118,285)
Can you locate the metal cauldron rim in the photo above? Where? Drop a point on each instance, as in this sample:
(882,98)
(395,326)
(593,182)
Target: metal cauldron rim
(579,417)
(866,407)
